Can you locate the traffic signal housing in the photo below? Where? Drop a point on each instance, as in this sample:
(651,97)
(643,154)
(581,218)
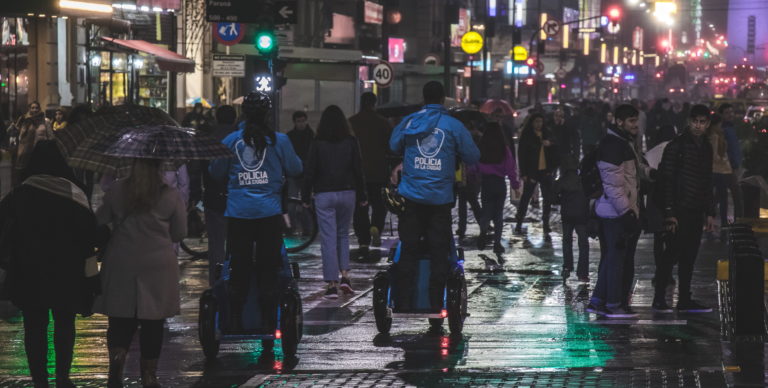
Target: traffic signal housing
(614,14)
(266,42)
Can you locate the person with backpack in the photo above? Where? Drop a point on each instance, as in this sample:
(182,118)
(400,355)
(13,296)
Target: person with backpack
(496,163)
(688,206)
(618,209)
(538,160)
(574,212)
(431,142)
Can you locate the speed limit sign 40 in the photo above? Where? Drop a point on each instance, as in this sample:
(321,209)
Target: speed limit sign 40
(383,74)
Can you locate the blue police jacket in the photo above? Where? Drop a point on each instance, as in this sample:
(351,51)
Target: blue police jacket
(431,141)
(255,179)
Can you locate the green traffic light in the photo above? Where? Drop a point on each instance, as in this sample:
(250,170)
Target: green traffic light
(265,42)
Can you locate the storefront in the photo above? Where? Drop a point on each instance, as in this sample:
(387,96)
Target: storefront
(14,63)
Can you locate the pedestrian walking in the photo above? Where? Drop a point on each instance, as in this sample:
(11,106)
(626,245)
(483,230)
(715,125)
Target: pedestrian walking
(372,132)
(254,213)
(334,173)
(431,142)
(721,168)
(574,213)
(686,179)
(652,214)
(140,274)
(496,163)
(29,129)
(468,186)
(735,156)
(568,139)
(618,210)
(59,120)
(52,234)
(537,158)
(301,137)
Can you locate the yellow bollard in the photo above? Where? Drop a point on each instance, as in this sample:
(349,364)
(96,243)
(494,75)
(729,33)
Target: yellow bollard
(722,269)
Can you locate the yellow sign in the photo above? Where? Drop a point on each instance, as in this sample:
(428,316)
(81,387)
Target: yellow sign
(519,53)
(472,42)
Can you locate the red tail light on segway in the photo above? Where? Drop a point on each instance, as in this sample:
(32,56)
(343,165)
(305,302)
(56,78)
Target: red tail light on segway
(278,334)
(443,313)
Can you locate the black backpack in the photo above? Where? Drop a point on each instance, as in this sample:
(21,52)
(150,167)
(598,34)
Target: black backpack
(591,181)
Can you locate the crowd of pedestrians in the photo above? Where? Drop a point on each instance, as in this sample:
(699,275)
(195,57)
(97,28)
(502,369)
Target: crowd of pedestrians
(613,173)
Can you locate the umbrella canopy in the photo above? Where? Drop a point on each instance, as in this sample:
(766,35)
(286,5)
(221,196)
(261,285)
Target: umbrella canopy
(206,104)
(493,104)
(77,140)
(163,142)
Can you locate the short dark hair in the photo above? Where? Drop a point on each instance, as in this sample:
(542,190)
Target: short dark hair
(700,110)
(723,107)
(368,100)
(298,114)
(625,111)
(434,93)
(333,125)
(226,114)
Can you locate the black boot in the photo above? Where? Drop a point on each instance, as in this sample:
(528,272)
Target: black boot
(117,358)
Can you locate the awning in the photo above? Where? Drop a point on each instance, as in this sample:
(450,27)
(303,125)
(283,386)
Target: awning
(167,60)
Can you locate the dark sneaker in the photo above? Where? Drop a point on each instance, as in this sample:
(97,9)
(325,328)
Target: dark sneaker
(362,252)
(375,237)
(346,286)
(481,241)
(595,309)
(566,273)
(661,307)
(692,306)
(620,313)
(332,293)
(497,248)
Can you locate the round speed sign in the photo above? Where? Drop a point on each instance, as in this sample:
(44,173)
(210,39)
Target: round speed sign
(383,74)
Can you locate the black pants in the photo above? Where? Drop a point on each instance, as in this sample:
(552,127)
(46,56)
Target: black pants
(683,251)
(266,234)
(582,270)
(432,223)
(362,222)
(545,180)
(467,195)
(36,341)
(121,330)
(494,193)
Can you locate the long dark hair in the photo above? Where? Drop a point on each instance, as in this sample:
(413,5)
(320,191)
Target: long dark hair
(47,159)
(493,145)
(257,130)
(333,125)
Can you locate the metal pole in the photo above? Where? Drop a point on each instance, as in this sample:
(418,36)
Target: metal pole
(447,49)
(484,88)
(538,55)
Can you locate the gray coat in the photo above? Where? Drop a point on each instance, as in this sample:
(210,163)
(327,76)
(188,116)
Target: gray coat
(140,272)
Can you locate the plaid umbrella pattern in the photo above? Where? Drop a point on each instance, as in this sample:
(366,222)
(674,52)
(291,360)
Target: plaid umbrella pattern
(163,142)
(76,141)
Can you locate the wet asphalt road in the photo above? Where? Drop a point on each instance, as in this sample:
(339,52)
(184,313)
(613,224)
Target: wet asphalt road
(527,328)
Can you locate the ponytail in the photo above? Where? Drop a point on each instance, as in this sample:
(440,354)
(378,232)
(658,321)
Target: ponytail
(257,130)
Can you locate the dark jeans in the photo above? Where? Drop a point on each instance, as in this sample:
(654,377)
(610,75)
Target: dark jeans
(545,180)
(362,222)
(36,341)
(432,223)
(121,330)
(216,227)
(581,233)
(266,234)
(683,251)
(617,264)
(467,195)
(721,183)
(661,243)
(493,195)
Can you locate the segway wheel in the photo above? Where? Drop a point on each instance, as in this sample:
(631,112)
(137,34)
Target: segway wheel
(290,323)
(381,312)
(207,325)
(457,303)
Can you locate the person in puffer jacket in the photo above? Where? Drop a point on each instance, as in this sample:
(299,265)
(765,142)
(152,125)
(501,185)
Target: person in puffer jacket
(618,209)
(687,203)
(430,141)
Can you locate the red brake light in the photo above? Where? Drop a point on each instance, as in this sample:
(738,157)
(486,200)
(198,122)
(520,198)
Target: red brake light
(278,334)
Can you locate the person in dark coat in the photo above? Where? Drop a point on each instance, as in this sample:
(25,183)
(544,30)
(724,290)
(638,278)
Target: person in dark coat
(537,159)
(301,137)
(372,132)
(574,212)
(53,232)
(568,139)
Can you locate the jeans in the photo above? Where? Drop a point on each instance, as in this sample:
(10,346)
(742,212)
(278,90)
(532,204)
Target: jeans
(121,330)
(467,195)
(545,179)
(216,227)
(493,195)
(362,222)
(432,223)
(721,183)
(334,214)
(266,234)
(683,251)
(581,233)
(617,264)
(36,341)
